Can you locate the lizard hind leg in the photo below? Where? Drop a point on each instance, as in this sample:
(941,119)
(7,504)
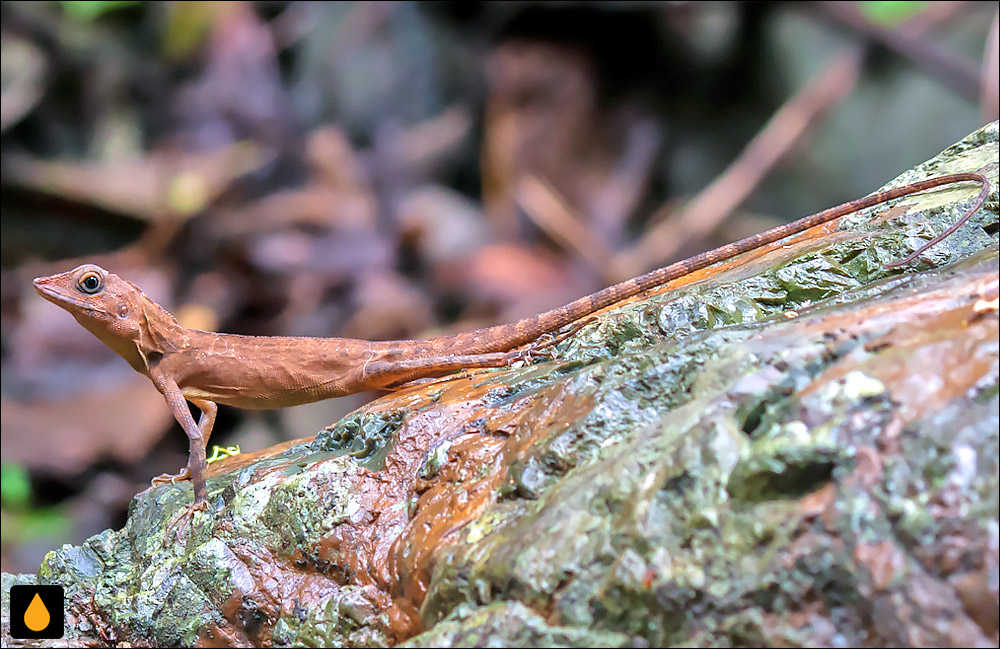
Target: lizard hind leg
(393,373)
(542,348)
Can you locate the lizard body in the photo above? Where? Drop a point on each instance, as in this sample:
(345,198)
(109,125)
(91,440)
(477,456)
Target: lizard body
(262,372)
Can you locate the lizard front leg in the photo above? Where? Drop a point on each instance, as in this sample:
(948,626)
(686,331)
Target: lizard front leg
(205,424)
(196,440)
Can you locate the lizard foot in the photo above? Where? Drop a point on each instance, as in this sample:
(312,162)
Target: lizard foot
(175,529)
(171,478)
(529,354)
(538,349)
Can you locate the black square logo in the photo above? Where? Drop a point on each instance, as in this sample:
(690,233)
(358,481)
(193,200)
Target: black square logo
(36,612)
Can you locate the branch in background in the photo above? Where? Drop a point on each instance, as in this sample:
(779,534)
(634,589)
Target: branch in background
(717,201)
(547,209)
(595,241)
(990,100)
(624,189)
(908,40)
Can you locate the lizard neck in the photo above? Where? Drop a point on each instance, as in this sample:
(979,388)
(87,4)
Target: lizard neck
(159,335)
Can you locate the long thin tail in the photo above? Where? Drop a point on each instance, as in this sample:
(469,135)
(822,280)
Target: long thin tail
(512,335)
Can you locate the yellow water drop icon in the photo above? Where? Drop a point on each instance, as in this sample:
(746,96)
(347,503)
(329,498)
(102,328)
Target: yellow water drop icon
(37,616)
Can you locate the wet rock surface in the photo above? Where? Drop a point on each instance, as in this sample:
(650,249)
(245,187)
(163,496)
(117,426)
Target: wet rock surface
(798,447)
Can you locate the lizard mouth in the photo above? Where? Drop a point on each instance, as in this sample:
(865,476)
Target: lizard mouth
(56,296)
(46,291)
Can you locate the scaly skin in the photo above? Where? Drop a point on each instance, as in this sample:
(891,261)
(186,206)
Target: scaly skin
(261,372)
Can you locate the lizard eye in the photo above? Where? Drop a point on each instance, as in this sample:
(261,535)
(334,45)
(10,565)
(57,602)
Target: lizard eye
(90,282)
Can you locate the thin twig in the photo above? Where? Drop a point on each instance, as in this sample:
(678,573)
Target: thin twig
(717,201)
(547,209)
(908,40)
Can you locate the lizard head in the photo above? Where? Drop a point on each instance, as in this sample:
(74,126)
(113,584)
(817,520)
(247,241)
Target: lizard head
(113,309)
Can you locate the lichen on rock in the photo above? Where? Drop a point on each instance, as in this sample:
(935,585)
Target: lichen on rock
(796,447)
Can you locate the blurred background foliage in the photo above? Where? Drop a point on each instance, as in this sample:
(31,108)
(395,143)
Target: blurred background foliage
(386,170)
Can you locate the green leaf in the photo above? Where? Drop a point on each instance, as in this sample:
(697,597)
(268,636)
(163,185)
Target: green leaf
(889,14)
(15,487)
(91,9)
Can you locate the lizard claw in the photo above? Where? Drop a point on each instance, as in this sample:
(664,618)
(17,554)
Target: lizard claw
(542,348)
(176,527)
(171,478)
(529,354)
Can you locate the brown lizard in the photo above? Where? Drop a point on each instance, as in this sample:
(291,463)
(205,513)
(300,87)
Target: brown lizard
(261,372)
